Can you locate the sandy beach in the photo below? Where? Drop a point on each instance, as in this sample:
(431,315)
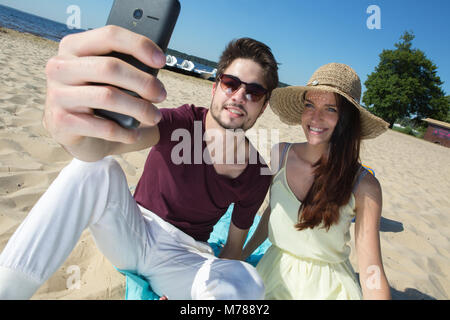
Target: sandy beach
(415,227)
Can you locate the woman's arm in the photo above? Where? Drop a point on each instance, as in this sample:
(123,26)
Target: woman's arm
(262,231)
(373,280)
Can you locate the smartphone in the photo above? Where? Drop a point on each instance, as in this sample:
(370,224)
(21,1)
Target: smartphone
(154,19)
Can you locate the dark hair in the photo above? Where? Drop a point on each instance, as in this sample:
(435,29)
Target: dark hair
(247,48)
(335,172)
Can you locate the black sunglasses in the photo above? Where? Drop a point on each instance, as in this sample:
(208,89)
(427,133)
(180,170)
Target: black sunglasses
(230,84)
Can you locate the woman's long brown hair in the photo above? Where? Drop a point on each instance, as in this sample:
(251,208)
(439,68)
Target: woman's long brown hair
(334,172)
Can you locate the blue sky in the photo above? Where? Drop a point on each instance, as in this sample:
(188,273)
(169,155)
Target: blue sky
(302,34)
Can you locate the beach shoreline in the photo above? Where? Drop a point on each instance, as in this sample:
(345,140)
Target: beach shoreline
(414,231)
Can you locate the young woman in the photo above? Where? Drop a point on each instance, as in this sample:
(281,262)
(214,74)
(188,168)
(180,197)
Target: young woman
(319,187)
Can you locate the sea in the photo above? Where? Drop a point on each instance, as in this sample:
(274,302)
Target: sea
(25,22)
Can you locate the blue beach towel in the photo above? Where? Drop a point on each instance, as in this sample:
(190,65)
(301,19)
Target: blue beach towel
(137,288)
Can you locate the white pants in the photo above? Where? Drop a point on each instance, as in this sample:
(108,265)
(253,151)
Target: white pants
(96,195)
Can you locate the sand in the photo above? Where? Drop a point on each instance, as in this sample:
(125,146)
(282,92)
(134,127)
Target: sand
(415,179)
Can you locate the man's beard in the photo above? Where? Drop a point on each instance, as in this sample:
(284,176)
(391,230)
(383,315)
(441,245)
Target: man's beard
(215,113)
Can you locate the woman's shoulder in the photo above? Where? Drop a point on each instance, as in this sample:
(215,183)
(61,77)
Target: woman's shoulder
(278,148)
(277,155)
(368,186)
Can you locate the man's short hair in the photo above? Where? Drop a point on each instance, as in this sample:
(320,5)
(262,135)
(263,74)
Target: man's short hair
(247,48)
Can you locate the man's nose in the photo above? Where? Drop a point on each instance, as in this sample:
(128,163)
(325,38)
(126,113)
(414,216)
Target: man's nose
(240,94)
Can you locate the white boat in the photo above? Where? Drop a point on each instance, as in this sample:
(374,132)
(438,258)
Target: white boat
(186,65)
(206,74)
(171,60)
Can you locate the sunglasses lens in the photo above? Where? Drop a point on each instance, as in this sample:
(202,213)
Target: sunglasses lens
(230,84)
(256,91)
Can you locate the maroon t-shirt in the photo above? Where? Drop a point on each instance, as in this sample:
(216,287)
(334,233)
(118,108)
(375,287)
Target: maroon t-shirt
(191,195)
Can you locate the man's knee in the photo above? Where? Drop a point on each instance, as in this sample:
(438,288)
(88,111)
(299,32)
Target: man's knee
(107,165)
(97,174)
(91,185)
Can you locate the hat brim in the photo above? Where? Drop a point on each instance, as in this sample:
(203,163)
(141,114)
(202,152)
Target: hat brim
(287,104)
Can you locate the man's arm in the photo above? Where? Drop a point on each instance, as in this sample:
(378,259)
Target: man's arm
(235,242)
(93,149)
(71,96)
(259,236)
(148,137)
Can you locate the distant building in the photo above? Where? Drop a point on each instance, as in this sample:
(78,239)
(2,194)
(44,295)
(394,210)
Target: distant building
(438,132)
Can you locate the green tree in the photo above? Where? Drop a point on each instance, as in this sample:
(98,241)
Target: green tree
(405,84)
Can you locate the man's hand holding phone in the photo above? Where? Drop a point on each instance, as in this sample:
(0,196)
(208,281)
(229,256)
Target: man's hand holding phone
(71,96)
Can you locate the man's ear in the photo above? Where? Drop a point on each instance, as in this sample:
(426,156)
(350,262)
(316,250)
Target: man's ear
(264,107)
(213,91)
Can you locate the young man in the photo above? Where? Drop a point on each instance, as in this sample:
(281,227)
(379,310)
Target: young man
(161,232)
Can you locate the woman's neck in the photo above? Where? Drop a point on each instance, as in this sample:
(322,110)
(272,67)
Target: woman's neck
(312,153)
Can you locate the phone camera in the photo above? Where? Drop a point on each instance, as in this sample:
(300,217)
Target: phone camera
(138,13)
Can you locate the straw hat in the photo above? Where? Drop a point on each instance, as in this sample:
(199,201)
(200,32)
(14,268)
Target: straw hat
(333,77)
